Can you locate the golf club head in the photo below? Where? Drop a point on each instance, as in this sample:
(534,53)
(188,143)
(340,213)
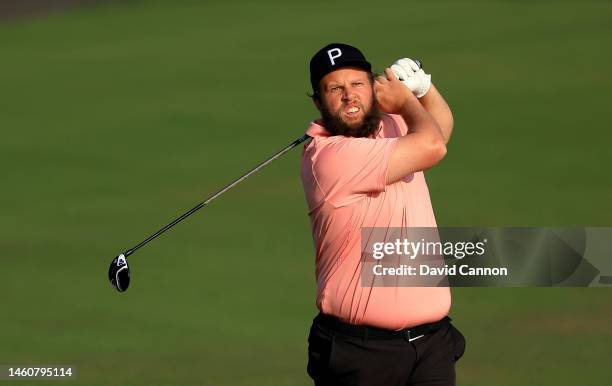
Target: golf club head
(119,273)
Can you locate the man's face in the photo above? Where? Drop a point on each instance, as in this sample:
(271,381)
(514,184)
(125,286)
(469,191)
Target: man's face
(347,103)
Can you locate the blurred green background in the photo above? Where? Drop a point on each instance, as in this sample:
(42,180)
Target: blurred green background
(118,117)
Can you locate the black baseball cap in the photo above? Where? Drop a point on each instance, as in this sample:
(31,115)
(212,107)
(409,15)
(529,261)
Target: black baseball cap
(332,57)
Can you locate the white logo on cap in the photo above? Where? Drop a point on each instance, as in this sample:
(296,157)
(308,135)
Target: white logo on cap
(331,55)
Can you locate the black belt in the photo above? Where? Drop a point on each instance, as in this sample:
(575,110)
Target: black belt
(367,332)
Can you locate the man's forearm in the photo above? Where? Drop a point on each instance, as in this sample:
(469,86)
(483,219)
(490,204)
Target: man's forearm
(435,104)
(417,118)
(423,146)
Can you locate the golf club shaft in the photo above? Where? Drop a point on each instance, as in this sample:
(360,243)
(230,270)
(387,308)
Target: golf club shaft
(217,194)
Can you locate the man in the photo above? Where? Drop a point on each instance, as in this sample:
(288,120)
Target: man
(364,168)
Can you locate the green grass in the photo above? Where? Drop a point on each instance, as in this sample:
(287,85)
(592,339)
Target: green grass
(117,118)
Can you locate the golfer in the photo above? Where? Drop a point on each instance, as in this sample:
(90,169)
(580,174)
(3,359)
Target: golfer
(364,168)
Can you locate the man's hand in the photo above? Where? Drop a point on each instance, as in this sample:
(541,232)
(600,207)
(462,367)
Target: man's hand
(411,75)
(391,94)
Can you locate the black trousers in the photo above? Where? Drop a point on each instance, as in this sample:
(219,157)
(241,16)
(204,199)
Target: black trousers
(338,359)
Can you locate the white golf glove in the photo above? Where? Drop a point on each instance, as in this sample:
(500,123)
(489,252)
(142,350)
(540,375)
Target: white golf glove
(410,74)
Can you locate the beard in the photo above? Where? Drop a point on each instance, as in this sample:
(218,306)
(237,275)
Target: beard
(335,125)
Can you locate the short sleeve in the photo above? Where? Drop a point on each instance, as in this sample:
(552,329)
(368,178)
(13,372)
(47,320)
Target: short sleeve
(346,169)
(399,125)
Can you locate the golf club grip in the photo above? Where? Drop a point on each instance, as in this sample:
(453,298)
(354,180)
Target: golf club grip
(217,194)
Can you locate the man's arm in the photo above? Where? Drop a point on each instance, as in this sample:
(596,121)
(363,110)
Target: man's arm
(435,104)
(424,145)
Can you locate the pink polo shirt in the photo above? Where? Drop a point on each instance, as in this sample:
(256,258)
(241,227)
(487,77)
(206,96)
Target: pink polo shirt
(344,182)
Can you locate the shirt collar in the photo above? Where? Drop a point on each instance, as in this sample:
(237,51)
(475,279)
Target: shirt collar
(316,129)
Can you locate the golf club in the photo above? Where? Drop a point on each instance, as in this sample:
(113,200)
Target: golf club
(119,272)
